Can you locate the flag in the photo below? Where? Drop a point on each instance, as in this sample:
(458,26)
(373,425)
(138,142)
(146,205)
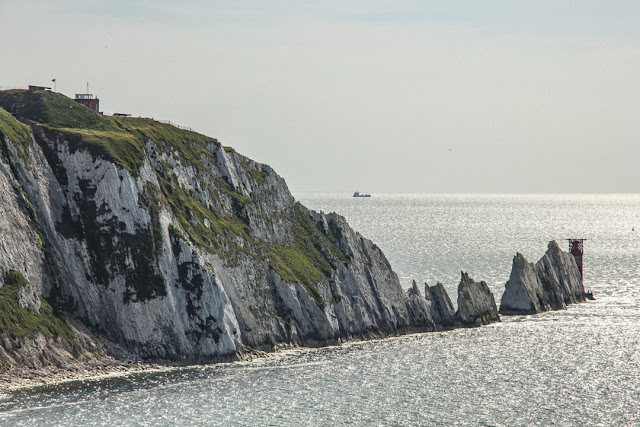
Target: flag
(53,80)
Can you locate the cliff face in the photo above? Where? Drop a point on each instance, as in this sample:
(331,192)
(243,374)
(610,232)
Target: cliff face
(550,284)
(174,247)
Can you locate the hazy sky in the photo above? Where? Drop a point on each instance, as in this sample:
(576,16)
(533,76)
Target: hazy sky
(378,96)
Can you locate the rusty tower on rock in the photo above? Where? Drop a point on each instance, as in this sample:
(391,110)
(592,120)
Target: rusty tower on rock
(576,247)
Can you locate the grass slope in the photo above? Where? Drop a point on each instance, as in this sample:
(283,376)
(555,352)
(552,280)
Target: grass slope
(18,133)
(118,139)
(21,322)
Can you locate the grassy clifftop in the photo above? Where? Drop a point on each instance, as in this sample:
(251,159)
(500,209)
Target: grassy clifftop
(118,139)
(18,133)
(54,109)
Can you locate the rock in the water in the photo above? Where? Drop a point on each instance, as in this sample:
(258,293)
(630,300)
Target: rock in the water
(550,284)
(442,310)
(476,305)
(420,308)
(561,267)
(525,292)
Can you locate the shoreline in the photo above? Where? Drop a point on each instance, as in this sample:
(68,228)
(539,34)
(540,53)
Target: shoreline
(16,380)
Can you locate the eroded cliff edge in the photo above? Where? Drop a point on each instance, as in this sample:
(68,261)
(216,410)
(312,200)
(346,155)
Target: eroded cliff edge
(167,245)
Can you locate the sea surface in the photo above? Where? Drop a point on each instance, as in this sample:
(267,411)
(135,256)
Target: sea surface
(579,366)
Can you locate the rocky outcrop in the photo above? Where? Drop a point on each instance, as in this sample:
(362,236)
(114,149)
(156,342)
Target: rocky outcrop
(562,269)
(550,284)
(41,351)
(421,308)
(525,292)
(441,308)
(413,291)
(476,304)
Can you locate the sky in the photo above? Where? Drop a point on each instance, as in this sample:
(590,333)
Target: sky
(429,96)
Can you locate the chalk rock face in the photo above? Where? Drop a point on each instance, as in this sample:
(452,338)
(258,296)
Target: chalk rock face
(413,290)
(20,245)
(561,268)
(476,304)
(525,292)
(172,246)
(22,357)
(442,310)
(550,284)
(421,307)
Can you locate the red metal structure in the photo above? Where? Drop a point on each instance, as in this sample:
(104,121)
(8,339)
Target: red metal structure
(576,247)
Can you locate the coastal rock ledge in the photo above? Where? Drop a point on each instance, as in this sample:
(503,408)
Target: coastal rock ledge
(552,283)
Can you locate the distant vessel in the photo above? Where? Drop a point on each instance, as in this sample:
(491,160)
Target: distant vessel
(357,194)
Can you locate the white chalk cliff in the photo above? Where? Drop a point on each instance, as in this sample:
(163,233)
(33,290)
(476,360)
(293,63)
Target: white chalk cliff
(136,239)
(167,245)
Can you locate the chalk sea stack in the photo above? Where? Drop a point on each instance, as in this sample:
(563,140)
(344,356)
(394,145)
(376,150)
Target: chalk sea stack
(441,308)
(552,283)
(476,304)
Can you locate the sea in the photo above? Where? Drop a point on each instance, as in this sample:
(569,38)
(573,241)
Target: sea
(579,366)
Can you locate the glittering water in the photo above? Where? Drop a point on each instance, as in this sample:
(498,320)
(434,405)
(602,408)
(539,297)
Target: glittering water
(571,367)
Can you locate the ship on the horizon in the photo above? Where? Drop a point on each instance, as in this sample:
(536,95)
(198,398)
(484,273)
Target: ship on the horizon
(357,194)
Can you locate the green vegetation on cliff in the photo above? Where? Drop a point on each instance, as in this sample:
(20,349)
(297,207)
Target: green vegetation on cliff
(21,322)
(119,139)
(310,258)
(215,216)
(18,133)
(191,146)
(204,226)
(54,109)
